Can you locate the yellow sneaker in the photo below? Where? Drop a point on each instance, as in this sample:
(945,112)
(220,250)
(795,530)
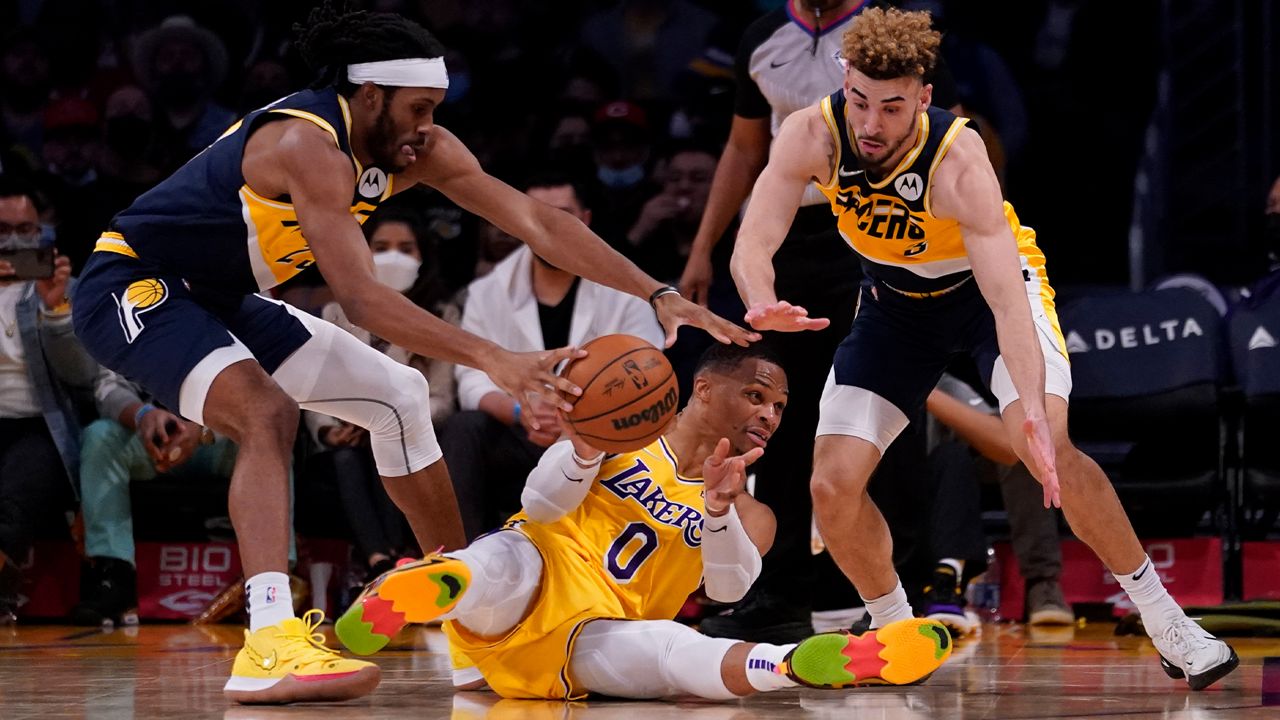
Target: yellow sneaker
(289,663)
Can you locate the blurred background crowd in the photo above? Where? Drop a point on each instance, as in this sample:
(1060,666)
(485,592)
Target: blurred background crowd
(1138,138)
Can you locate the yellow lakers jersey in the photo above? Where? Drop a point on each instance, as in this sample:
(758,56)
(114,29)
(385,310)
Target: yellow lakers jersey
(205,224)
(888,220)
(642,524)
(632,550)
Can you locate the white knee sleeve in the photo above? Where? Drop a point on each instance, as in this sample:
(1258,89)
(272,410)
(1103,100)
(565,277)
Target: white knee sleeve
(335,374)
(648,659)
(506,570)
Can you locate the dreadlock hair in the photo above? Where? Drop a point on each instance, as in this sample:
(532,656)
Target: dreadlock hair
(337,34)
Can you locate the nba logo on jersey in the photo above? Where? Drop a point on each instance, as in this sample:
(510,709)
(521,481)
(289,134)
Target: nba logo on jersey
(141,296)
(372,183)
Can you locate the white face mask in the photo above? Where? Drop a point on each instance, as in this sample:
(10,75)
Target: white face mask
(395,269)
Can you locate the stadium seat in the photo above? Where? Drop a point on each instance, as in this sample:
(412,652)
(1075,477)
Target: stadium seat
(1147,370)
(1255,352)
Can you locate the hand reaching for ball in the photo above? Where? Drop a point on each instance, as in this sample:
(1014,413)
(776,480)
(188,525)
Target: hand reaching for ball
(725,477)
(531,374)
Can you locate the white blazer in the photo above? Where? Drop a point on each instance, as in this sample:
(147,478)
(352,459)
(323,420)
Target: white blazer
(501,307)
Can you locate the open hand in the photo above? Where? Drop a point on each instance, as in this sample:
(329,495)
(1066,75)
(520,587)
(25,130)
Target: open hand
(1040,444)
(674,311)
(725,477)
(783,317)
(530,375)
(695,281)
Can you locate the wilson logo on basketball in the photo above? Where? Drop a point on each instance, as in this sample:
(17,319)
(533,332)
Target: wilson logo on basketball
(651,414)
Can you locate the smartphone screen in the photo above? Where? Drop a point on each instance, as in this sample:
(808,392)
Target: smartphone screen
(29,263)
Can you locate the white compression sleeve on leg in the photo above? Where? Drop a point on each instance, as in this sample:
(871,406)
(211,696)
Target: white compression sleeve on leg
(730,561)
(559,483)
(506,569)
(648,659)
(335,374)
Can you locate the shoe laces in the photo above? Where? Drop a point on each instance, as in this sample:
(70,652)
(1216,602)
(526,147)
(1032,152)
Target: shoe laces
(312,640)
(1185,635)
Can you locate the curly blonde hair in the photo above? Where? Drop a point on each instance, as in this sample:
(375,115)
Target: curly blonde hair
(888,44)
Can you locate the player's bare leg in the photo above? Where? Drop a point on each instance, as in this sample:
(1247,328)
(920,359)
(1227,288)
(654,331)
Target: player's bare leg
(1096,516)
(426,498)
(281,661)
(244,404)
(854,530)
(1088,500)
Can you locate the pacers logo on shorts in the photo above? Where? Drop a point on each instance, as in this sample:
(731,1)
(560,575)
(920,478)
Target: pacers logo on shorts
(139,297)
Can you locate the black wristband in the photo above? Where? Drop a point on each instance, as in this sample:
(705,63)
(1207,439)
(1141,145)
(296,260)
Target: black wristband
(664,290)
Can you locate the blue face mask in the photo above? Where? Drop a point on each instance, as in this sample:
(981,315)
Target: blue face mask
(459,84)
(618,179)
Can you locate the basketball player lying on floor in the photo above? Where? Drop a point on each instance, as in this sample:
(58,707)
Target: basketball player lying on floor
(576,593)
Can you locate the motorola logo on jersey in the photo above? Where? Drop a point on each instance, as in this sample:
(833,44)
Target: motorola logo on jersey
(1133,336)
(909,186)
(888,218)
(372,183)
(141,296)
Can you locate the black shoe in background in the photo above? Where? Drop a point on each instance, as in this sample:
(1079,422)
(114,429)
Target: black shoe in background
(761,618)
(108,590)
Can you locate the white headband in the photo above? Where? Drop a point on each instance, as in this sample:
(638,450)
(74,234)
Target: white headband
(410,72)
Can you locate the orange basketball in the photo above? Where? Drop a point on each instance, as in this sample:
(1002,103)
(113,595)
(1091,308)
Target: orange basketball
(629,393)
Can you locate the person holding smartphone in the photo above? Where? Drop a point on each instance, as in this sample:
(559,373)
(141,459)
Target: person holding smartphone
(42,366)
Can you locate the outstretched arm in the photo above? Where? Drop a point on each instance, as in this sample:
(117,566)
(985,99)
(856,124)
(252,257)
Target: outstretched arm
(802,152)
(306,164)
(965,188)
(557,236)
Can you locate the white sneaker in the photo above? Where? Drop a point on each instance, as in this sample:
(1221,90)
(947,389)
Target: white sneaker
(1187,650)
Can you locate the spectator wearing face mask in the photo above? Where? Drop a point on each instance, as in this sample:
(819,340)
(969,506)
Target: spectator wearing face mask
(661,237)
(622,143)
(181,65)
(43,369)
(380,531)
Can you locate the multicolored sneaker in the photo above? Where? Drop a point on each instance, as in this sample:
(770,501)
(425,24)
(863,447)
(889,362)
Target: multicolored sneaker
(289,662)
(900,653)
(415,592)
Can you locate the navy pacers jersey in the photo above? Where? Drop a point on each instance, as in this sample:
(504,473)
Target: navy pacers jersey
(205,224)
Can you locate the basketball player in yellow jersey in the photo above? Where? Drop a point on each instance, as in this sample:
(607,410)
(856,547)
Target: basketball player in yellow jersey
(949,269)
(576,594)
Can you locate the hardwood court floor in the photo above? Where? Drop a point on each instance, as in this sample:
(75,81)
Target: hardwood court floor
(177,671)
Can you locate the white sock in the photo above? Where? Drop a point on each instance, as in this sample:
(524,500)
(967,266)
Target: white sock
(890,607)
(954,564)
(1154,603)
(762,667)
(270,600)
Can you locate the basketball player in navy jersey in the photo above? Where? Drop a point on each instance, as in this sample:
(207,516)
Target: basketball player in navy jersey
(949,269)
(169,299)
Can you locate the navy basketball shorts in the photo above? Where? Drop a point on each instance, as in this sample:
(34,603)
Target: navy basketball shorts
(149,327)
(899,347)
